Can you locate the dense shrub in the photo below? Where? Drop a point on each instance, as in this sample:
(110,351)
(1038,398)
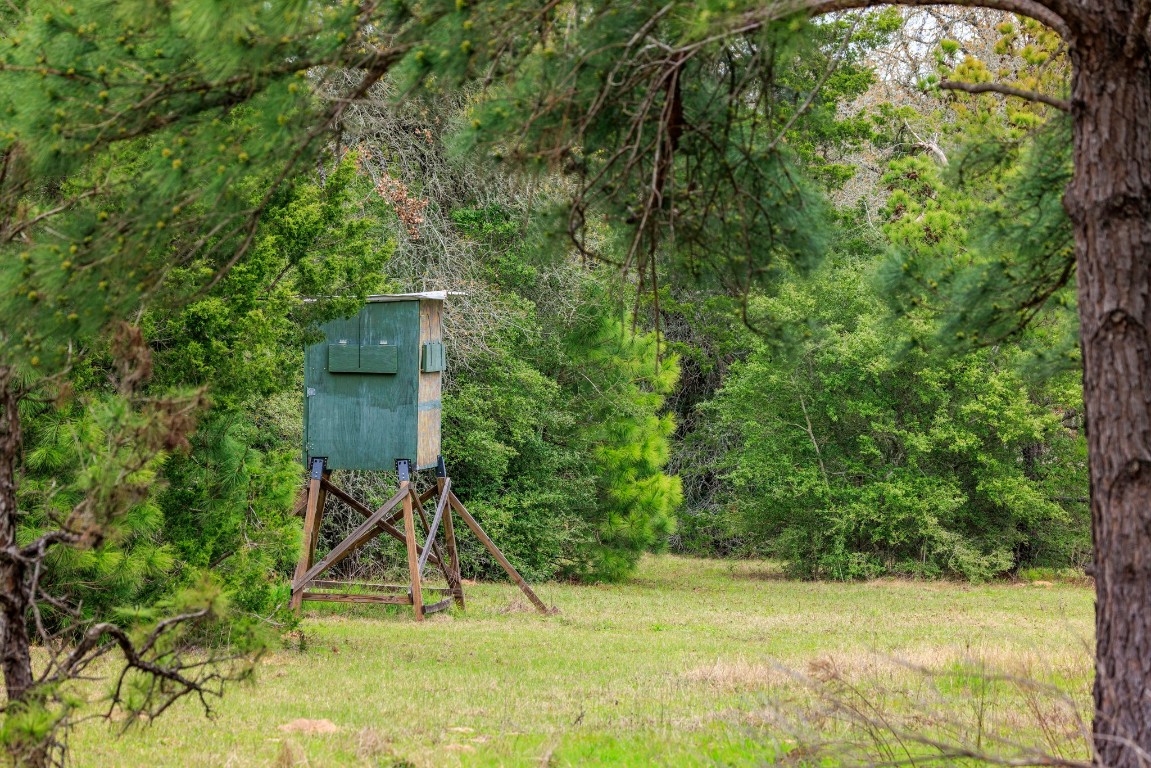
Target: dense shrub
(858,455)
(220,504)
(556,433)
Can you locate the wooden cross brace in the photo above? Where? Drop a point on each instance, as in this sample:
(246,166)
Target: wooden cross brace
(381,521)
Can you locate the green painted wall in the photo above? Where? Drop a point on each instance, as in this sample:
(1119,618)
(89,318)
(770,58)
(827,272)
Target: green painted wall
(364,419)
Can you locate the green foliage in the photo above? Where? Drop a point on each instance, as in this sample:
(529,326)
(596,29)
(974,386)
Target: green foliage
(244,336)
(717,142)
(70,455)
(509,442)
(221,502)
(858,456)
(141,144)
(621,382)
(1013,272)
(557,431)
(947,440)
(227,502)
(226,509)
(142,129)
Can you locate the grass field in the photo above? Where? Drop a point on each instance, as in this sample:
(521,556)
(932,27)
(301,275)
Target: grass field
(688,663)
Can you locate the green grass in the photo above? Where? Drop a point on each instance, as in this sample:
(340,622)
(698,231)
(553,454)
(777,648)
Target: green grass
(685,664)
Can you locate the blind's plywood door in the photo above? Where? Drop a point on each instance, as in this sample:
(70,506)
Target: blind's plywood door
(365,418)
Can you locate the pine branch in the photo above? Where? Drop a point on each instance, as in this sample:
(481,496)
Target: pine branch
(375,65)
(1006,90)
(1040,11)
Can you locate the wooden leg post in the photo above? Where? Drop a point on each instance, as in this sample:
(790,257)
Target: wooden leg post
(410,539)
(312,515)
(321,504)
(438,558)
(301,501)
(499,556)
(308,571)
(455,580)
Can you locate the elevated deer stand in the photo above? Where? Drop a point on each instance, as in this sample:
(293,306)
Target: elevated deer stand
(308,586)
(372,391)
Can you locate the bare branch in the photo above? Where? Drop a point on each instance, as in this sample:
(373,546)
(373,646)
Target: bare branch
(1006,90)
(929,146)
(37,548)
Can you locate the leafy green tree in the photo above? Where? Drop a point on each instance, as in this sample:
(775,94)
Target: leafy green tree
(987,246)
(620,382)
(559,432)
(509,441)
(971,248)
(857,456)
(227,501)
(219,503)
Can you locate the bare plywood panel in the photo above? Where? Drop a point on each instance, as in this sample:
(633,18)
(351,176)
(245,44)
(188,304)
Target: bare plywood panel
(430,389)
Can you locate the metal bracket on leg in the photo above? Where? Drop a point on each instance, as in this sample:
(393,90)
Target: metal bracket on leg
(318,464)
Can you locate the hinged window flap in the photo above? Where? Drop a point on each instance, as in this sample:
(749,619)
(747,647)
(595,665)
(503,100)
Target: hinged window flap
(380,359)
(343,358)
(433,357)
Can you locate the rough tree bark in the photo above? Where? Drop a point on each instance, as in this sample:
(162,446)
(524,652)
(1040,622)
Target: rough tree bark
(15,654)
(1109,201)
(16,658)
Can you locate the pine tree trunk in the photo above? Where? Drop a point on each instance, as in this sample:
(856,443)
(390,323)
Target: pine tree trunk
(1110,204)
(15,657)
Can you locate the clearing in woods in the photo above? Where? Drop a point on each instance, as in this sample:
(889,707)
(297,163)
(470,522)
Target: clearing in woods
(684,664)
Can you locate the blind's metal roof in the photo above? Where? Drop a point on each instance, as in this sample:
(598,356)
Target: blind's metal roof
(433,295)
(382,297)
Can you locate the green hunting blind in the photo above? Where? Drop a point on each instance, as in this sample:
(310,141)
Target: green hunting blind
(372,402)
(372,385)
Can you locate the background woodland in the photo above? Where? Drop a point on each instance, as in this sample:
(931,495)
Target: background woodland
(883,381)
(849,433)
